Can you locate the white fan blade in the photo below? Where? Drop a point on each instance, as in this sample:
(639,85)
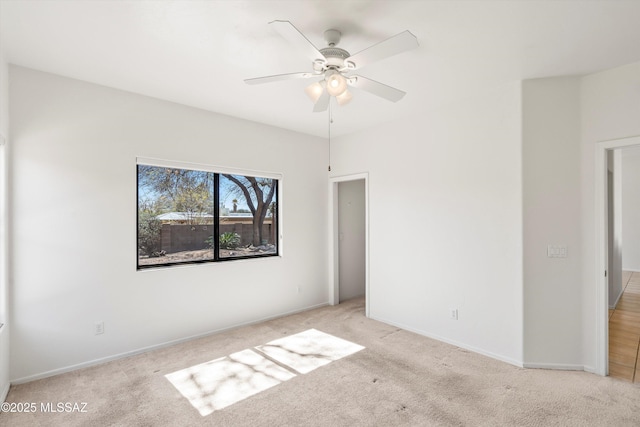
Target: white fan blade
(297,39)
(376,88)
(389,47)
(278,77)
(323,103)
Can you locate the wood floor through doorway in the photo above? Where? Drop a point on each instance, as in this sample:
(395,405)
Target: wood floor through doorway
(624,331)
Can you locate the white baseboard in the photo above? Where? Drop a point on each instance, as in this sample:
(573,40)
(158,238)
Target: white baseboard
(152,347)
(633,270)
(4,392)
(556,366)
(483,352)
(615,304)
(5,384)
(593,370)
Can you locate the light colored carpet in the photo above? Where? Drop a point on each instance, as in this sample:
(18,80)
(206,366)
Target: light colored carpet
(398,379)
(308,350)
(214,385)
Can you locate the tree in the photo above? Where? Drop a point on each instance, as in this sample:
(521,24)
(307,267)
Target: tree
(194,201)
(258,193)
(184,190)
(149,229)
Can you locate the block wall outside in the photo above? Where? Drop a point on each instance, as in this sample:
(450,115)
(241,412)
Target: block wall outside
(186,237)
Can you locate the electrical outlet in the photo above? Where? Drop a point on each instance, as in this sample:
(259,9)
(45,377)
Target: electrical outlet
(453,313)
(99,328)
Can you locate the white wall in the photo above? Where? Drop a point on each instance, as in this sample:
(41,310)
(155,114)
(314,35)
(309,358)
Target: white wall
(4,276)
(351,214)
(74,229)
(455,173)
(610,107)
(551,175)
(556,295)
(631,209)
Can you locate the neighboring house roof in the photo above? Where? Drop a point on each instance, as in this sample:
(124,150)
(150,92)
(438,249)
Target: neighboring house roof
(185,216)
(182,216)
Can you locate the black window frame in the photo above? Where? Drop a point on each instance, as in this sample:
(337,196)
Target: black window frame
(275,217)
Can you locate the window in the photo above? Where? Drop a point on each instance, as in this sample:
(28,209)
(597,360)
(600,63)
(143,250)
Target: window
(192,215)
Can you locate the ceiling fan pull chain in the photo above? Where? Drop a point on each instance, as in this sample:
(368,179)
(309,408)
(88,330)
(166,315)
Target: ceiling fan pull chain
(330,121)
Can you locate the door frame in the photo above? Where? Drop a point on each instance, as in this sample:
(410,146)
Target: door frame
(334,238)
(602,247)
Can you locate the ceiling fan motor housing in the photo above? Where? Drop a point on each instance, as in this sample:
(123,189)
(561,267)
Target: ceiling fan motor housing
(335,56)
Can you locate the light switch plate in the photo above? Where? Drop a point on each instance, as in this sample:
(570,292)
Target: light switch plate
(557,251)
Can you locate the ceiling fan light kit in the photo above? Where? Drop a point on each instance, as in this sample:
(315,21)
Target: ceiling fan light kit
(344,98)
(314,91)
(336,83)
(333,65)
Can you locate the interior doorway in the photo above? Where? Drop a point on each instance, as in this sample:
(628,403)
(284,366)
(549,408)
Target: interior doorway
(608,255)
(614,226)
(349,238)
(624,262)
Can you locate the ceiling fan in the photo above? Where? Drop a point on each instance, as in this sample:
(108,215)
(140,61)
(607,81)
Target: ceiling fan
(334,65)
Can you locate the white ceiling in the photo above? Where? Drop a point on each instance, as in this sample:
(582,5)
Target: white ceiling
(198,53)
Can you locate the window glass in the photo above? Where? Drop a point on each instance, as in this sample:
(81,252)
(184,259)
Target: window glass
(188,216)
(247,213)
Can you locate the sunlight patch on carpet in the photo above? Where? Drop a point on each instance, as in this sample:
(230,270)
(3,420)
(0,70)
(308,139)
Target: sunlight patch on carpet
(308,350)
(219,383)
(214,385)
